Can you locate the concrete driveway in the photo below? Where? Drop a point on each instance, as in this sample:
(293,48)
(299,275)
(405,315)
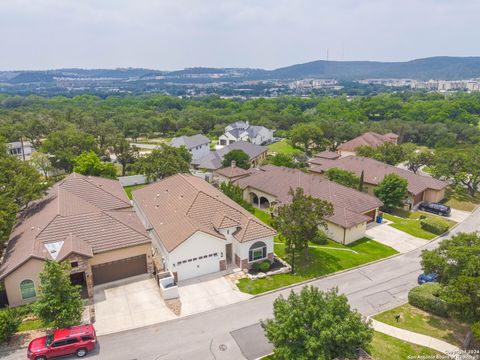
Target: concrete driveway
(128,304)
(458,215)
(208,292)
(399,240)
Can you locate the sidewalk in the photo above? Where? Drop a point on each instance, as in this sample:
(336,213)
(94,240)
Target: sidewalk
(423,340)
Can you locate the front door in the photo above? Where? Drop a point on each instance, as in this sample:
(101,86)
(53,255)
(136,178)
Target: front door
(228,252)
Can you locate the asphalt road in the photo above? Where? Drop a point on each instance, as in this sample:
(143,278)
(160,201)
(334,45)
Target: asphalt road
(370,289)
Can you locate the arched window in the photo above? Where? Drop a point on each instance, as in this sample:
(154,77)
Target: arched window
(257,251)
(27,288)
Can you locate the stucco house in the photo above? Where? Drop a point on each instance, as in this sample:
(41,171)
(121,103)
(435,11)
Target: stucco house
(197,230)
(258,135)
(371,139)
(21,149)
(269,186)
(87,221)
(420,188)
(198,145)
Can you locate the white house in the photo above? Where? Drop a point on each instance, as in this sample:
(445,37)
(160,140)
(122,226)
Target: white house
(21,149)
(258,135)
(197,230)
(198,145)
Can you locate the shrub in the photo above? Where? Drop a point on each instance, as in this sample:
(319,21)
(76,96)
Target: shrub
(434,225)
(256,266)
(427,297)
(321,238)
(265,266)
(10,320)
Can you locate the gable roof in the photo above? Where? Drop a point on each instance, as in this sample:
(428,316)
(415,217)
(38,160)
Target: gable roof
(371,139)
(190,141)
(327,155)
(348,204)
(233,172)
(214,159)
(183,204)
(374,171)
(80,214)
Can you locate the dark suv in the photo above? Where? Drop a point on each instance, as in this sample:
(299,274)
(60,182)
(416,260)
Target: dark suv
(435,208)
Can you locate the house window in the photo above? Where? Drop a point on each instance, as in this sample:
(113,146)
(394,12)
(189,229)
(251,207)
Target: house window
(257,251)
(27,288)
(74,264)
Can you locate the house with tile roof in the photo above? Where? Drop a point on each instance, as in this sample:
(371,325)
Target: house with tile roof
(197,230)
(197,145)
(269,186)
(87,221)
(420,187)
(240,130)
(371,139)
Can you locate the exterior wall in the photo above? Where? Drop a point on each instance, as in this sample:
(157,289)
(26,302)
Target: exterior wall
(30,270)
(434,195)
(344,153)
(355,232)
(220,179)
(132,180)
(369,188)
(256,161)
(83,266)
(119,254)
(248,190)
(199,151)
(345,236)
(199,244)
(242,249)
(262,136)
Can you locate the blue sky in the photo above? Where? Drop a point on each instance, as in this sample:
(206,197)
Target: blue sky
(159,34)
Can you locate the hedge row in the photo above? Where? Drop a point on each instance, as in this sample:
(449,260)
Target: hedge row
(434,225)
(426,297)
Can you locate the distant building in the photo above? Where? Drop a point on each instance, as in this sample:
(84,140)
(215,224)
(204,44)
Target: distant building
(240,130)
(198,145)
(21,149)
(370,139)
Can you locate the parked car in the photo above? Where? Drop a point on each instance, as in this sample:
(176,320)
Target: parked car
(78,340)
(435,208)
(426,278)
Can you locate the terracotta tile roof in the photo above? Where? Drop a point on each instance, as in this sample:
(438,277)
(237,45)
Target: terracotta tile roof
(371,139)
(348,204)
(327,155)
(83,215)
(374,171)
(180,205)
(233,172)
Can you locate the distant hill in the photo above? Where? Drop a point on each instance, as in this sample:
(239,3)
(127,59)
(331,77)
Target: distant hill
(445,68)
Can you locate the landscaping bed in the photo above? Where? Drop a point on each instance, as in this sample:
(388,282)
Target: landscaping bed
(320,261)
(422,322)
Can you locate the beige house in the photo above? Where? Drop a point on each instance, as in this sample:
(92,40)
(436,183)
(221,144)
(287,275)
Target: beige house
(269,186)
(197,230)
(420,188)
(87,221)
(230,174)
(371,139)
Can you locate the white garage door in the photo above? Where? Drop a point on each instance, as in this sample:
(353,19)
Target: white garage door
(198,266)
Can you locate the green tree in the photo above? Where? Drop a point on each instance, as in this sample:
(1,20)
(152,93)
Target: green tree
(234,192)
(126,153)
(240,157)
(343,177)
(282,160)
(456,261)
(10,320)
(388,153)
(164,161)
(88,163)
(41,162)
(299,221)
(316,325)
(392,191)
(309,136)
(416,160)
(65,145)
(58,303)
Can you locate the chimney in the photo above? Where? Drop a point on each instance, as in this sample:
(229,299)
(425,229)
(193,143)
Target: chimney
(233,163)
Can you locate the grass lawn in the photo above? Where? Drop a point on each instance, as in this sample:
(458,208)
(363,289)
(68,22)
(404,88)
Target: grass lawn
(25,312)
(409,222)
(282,147)
(320,262)
(384,347)
(263,216)
(414,319)
(461,201)
(128,189)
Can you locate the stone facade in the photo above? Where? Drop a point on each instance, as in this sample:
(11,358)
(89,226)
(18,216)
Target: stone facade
(223,265)
(82,265)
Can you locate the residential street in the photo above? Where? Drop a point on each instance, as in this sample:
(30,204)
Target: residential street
(207,335)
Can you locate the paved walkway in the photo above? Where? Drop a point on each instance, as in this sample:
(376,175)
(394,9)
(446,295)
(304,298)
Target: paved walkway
(420,339)
(397,239)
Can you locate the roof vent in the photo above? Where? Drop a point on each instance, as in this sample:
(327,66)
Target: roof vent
(157,206)
(157,195)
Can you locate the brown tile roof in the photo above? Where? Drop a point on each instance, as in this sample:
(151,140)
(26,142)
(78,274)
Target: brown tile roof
(80,214)
(183,204)
(374,171)
(349,204)
(327,155)
(371,139)
(233,172)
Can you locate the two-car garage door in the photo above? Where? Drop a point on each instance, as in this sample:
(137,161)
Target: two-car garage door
(119,269)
